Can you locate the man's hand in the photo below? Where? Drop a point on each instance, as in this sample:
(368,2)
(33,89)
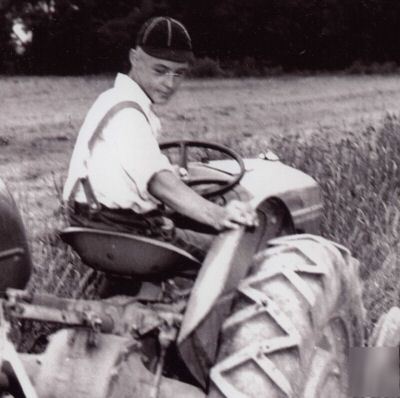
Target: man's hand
(238,213)
(171,191)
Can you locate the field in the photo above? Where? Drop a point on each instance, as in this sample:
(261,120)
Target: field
(342,130)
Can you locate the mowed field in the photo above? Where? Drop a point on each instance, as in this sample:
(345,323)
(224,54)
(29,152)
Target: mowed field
(335,128)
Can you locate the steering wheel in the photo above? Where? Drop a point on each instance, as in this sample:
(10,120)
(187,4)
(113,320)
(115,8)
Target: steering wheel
(225,184)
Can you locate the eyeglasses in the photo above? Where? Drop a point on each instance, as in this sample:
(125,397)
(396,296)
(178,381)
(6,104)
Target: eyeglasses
(165,72)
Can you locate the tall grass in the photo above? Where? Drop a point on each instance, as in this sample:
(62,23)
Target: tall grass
(57,268)
(360,180)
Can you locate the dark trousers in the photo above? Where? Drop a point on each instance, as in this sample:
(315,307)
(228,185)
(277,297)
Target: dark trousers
(153,225)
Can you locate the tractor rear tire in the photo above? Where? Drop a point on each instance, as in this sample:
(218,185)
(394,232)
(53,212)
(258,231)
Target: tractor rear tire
(294,320)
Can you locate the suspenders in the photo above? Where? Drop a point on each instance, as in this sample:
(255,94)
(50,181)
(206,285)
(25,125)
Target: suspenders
(94,205)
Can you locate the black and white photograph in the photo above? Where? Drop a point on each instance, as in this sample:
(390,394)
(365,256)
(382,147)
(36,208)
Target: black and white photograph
(199,198)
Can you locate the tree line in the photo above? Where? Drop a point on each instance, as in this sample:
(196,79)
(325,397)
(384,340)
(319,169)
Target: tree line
(93,36)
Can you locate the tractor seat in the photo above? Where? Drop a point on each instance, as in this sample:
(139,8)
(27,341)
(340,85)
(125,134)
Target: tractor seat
(128,255)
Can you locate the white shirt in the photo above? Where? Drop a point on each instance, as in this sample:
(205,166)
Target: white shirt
(124,156)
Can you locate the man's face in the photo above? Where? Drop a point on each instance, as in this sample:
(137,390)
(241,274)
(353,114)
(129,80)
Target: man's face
(157,77)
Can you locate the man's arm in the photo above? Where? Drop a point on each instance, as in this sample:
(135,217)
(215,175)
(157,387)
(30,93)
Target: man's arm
(170,190)
(139,155)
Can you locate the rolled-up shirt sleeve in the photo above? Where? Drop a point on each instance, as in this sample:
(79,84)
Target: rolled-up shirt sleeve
(136,149)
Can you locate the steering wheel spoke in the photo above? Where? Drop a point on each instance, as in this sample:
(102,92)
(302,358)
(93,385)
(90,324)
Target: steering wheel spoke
(223,184)
(183,161)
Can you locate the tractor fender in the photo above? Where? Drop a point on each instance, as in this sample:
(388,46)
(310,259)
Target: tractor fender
(227,263)
(15,259)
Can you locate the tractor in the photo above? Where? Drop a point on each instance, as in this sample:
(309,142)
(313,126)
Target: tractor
(272,311)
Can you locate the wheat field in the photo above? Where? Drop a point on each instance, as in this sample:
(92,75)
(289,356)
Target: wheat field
(342,130)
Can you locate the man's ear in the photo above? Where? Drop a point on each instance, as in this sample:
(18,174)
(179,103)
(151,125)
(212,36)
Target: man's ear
(133,56)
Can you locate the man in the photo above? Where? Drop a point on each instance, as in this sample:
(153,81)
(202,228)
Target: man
(118,177)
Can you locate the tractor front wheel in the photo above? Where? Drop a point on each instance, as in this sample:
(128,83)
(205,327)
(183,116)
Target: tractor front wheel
(387,331)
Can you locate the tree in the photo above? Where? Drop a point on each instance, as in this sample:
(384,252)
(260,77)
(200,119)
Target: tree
(90,36)
(7,53)
(75,36)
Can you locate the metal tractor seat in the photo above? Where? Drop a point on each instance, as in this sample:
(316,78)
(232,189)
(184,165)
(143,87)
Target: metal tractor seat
(128,255)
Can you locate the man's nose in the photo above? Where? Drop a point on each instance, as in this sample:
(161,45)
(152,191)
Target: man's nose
(170,81)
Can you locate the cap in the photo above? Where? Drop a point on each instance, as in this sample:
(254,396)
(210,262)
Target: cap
(165,38)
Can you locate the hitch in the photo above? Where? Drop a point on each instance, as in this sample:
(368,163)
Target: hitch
(66,312)
(119,316)
(109,329)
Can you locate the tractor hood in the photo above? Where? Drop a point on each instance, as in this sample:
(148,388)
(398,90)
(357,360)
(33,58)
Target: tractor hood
(266,179)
